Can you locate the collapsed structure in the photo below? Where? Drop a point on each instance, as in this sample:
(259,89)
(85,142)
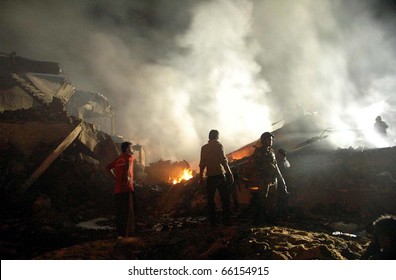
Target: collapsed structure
(42,131)
(27,83)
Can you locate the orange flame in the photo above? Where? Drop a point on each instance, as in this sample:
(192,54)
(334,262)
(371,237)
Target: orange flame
(186,175)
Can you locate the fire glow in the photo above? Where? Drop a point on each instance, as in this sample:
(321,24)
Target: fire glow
(185,176)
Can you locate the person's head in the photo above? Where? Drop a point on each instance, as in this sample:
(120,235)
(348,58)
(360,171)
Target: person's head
(282,153)
(126,147)
(213,134)
(378,118)
(385,233)
(267,139)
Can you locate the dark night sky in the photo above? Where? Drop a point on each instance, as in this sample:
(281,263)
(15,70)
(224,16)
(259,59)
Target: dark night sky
(176,69)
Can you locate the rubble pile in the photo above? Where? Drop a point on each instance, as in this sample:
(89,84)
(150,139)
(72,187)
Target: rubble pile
(345,185)
(192,239)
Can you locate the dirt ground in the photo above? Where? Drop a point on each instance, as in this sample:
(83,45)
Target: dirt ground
(193,238)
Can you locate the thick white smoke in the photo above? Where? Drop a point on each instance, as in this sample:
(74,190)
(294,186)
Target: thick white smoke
(334,57)
(176,69)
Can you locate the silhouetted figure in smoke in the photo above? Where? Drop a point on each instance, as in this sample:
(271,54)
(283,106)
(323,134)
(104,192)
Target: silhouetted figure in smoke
(283,162)
(383,240)
(215,162)
(268,173)
(381,127)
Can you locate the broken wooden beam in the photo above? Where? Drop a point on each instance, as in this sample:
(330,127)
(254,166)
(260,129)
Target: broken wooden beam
(51,158)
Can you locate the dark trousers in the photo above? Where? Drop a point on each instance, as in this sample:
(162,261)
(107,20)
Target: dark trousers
(265,204)
(219,183)
(283,203)
(123,212)
(234,194)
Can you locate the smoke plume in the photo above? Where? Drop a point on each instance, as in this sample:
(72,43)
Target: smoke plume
(176,69)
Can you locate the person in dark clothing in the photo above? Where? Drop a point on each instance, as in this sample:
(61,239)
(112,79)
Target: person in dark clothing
(122,171)
(381,127)
(213,159)
(383,239)
(268,174)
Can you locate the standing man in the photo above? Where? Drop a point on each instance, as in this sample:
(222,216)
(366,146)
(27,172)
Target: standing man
(267,171)
(214,160)
(122,170)
(381,127)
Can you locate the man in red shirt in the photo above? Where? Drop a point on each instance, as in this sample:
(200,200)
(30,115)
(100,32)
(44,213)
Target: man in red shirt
(122,170)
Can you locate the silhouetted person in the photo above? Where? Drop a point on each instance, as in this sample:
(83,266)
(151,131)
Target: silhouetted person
(381,127)
(215,162)
(383,239)
(268,174)
(283,162)
(122,171)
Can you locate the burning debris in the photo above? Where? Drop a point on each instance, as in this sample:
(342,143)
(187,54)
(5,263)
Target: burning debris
(166,172)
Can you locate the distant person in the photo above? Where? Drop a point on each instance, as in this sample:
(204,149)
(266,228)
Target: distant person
(381,127)
(268,173)
(383,239)
(283,162)
(283,193)
(213,159)
(122,170)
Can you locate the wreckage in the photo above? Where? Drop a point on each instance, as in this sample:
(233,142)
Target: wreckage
(323,177)
(41,107)
(53,181)
(40,139)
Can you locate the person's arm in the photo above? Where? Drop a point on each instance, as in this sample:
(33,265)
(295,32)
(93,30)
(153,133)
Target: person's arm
(227,168)
(230,176)
(111,173)
(127,166)
(109,169)
(201,171)
(202,166)
(282,179)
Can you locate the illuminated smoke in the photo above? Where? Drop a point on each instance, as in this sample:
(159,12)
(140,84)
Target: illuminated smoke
(176,69)
(334,57)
